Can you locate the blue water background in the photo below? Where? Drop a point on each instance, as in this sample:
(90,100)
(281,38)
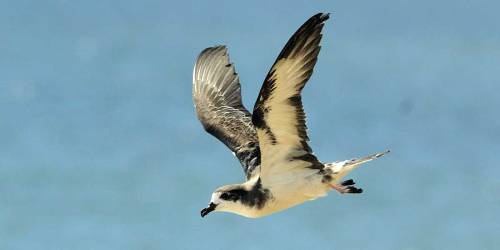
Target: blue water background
(100,147)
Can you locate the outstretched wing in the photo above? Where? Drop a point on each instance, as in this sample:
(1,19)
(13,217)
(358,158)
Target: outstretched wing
(278,114)
(217,99)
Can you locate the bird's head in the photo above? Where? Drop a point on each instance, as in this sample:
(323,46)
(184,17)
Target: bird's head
(228,198)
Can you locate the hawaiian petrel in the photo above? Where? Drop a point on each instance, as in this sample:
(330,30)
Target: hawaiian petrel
(271,143)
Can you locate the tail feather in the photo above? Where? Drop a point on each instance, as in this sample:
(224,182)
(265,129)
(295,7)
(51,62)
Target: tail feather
(366,159)
(340,169)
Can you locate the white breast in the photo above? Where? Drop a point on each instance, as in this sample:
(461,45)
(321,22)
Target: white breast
(293,188)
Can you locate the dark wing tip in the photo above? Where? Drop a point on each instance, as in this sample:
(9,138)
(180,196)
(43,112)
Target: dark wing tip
(317,19)
(313,25)
(322,16)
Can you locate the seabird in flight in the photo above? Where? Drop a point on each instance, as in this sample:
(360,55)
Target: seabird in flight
(270,143)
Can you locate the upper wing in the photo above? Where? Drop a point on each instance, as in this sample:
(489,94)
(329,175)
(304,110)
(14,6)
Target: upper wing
(217,99)
(278,114)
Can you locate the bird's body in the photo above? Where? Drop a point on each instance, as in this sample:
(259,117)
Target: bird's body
(271,143)
(285,193)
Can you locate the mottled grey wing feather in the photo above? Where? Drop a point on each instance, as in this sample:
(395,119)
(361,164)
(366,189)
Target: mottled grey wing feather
(278,114)
(217,99)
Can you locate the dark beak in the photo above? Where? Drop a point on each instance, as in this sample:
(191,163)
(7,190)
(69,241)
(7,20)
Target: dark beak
(209,209)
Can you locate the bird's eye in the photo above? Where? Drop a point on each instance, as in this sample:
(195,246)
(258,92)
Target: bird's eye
(229,196)
(224,196)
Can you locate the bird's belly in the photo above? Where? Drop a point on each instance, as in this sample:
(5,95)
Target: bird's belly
(289,194)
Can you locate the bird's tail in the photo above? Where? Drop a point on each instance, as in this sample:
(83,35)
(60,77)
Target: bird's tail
(344,167)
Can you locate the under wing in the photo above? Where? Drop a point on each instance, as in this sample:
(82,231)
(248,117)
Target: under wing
(278,115)
(217,100)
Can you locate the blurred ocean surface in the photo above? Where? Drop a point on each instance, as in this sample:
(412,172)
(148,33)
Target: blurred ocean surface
(100,147)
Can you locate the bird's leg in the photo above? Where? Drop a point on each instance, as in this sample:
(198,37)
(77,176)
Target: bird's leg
(346,187)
